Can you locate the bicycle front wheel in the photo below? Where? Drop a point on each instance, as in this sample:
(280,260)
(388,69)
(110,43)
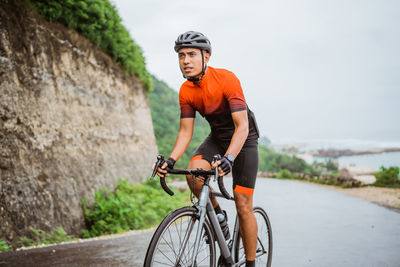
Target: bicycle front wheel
(264,240)
(173,242)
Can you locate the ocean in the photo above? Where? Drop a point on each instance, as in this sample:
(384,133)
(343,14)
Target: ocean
(371,160)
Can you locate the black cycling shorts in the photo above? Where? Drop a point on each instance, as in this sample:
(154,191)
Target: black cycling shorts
(245,166)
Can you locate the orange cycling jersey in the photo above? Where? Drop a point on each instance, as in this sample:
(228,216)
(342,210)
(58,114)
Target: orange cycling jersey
(217,96)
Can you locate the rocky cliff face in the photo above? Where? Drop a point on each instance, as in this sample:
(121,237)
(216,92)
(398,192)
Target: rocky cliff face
(71,121)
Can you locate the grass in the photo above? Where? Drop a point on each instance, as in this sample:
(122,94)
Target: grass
(130,207)
(4,246)
(55,236)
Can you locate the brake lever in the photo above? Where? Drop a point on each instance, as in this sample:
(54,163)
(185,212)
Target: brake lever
(159,162)
(215,159)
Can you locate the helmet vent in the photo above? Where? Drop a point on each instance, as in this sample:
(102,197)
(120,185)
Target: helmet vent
(193,39)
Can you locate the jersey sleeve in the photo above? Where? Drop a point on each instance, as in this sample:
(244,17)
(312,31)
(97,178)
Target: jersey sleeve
(234,94)
(187,111)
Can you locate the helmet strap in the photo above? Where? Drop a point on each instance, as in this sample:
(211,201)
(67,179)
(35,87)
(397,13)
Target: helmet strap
(202,64)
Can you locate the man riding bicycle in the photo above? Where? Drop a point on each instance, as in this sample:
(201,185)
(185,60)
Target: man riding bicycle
(217,95)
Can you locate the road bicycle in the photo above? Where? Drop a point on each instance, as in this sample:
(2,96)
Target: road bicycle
(188,235)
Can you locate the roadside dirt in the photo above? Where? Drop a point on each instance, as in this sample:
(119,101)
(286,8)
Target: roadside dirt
(388,197)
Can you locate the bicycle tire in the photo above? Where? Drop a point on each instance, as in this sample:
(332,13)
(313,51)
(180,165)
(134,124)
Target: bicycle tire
(264,239)
(167,240)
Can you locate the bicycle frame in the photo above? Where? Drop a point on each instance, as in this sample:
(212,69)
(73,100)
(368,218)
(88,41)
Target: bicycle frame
(204,207)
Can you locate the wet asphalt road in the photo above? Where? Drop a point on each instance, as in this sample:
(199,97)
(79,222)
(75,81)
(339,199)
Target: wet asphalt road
(128,250)
(312,226)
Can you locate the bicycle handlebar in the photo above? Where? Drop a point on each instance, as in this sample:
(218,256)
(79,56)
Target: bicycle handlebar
(196,172)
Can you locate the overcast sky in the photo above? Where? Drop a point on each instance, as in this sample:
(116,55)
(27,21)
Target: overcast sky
(309,69)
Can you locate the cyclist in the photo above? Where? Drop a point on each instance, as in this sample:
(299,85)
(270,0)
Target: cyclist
(217,95)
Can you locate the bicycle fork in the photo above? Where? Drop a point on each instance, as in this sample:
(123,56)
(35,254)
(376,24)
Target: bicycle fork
(205,207)
(201,207)
(202,204)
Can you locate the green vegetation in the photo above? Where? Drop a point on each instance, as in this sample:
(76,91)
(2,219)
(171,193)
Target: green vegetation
(334,181)
(165,114)
(331,166)
(274,162)
(56,236)
(388,177)
(327,167)
(284,174)
(324,179)
(4,246)
(130,206)
(98,20)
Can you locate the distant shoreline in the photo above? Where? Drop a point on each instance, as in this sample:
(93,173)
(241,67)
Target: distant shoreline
(336,153)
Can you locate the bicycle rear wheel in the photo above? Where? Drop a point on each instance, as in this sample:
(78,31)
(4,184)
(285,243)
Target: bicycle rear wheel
(264,240)
(173,242)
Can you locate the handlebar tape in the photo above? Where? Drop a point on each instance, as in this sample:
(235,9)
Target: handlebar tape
(165,186)
(223,189)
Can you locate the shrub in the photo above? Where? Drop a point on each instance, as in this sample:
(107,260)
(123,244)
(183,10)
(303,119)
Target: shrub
(129,207)
(98,20)
(346,185)
(274,162)
(55,236)
(284,174)
(331,165)
(388,177)
(4,246)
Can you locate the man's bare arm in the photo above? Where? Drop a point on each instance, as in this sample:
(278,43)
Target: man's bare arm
(182,141)
(241,122)
(184,137)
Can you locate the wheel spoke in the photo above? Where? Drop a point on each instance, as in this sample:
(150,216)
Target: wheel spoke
(186,238)
(166,256)
(169,245)
(163,263)
(170,238)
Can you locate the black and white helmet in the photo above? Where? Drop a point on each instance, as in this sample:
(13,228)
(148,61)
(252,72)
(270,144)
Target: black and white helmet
(193,39)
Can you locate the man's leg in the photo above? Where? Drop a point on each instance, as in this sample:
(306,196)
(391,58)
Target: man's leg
(199,164)
(203,155)
(244,173)
(247,223)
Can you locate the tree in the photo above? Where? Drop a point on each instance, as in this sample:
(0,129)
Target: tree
(388,177)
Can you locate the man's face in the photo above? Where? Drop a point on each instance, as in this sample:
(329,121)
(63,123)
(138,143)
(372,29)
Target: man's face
(190,61)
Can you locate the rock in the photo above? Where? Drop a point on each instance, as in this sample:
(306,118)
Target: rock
(71,121)
(362,174)
(343,172)
(365,179)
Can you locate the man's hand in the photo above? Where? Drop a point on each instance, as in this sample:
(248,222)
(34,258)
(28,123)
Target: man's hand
(224,166)
(161,171)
